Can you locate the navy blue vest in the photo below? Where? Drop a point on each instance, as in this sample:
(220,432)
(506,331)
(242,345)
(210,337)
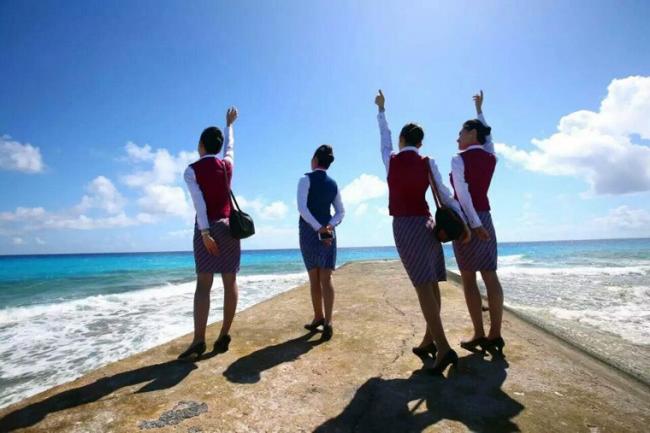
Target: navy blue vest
(322,192)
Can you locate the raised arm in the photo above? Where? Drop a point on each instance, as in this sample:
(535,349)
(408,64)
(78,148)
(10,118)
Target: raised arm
(303,210)
(384,132)
(478,103)
(229,145)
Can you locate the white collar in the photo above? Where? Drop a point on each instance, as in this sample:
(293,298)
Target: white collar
(318,169)
(209,155)
(410,149)
(472,147)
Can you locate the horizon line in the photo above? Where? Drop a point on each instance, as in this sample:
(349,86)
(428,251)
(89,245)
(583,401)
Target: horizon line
(297,248)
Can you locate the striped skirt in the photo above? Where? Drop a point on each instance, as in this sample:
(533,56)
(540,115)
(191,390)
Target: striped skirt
(420,252)
(478,255)
(227,261)
(315,253)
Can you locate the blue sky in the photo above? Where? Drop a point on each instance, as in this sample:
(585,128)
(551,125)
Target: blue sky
(102,103)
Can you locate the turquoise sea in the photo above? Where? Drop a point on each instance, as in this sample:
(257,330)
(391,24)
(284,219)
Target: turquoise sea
(63,315)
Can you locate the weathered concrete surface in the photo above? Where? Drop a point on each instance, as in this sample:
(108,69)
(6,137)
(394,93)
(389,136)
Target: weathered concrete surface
(277,379)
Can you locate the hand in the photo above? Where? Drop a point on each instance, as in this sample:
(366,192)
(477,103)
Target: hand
(325,230)
(231,115)
(327,242)
(210,245)
(481,233)
(441,235)
(478,102)
(380,100)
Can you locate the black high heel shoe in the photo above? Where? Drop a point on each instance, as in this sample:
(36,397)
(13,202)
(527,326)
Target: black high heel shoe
(450,358)
(327,332)
(496,345)
(423,352)
(195,349)
(313,326)
(222,344)
(474,344)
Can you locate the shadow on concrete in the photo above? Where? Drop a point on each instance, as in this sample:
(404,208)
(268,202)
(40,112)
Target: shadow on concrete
(248,369)
(470,394)
(158,376)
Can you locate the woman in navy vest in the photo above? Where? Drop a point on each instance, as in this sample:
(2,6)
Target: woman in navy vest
(471,174)
(317,193)
(419,250)
(215,250)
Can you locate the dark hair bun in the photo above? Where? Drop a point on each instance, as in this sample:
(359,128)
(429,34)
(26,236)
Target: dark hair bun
(412,133)
(325,155)
(212,139)
(482,131)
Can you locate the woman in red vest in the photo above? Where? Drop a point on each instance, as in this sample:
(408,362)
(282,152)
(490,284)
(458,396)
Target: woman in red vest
(472,171)
(215,250)
(419,250)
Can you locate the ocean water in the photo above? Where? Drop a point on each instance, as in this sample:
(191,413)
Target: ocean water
(63,315)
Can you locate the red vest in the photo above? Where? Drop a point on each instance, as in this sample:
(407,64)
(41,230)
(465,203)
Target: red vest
(479,168)
(408,181)
(210,177)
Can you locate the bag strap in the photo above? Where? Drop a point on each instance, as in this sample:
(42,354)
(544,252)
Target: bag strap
(230,193)
(434,188)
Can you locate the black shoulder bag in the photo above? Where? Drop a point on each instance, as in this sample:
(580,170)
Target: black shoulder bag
(241,224)
(447,220)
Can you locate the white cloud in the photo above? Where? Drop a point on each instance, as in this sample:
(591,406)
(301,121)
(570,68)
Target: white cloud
(18,241)
(102,195)
(137,153)
(164,199)
(383,211)
(39,241)
(83,222)
(156,178)
(363,188)
(598,146)
(361,209)
(165,168)
(273,236)
(183,234)
(159,181)
(276,210)
(625,218)
(22,213)
(20,157)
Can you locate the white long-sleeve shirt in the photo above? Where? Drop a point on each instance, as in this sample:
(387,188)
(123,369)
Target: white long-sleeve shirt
(460,184)
(193,186)
(303,194)
(387,150)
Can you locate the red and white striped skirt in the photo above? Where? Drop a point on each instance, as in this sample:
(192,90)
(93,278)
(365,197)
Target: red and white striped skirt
(421,253)
(478,255)
(227,261)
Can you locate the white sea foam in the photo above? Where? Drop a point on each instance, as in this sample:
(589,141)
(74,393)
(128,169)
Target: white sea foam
(639,270)
(515,260)
(64,340)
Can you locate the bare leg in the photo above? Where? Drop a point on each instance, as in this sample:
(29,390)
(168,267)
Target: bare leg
(328,293)
(431,311)
(428,338)
(230,296)
(316,293)
(474,302)
(201,305)
(495,300)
